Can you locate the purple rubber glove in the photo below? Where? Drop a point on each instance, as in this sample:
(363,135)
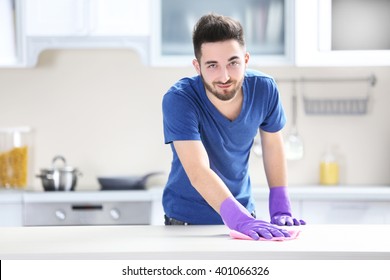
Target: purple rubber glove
(280,209)
(236,217)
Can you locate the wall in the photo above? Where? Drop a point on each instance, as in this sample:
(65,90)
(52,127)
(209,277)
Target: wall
(101,109)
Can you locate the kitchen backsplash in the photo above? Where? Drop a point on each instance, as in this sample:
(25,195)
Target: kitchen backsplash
(101,109)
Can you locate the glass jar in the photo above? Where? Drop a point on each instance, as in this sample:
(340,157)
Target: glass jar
(329,169)
(16,149)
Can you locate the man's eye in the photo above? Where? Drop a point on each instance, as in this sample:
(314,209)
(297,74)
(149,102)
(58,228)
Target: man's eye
(234,63)
(212,66)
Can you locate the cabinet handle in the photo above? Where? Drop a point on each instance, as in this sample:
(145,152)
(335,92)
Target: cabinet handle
(93,16)
(84,15)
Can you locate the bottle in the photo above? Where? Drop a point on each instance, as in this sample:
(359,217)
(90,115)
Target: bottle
(329,169)
(15,157)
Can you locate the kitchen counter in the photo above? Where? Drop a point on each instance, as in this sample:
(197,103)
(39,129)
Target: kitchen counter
(11,196)
(191,242)
(339,192)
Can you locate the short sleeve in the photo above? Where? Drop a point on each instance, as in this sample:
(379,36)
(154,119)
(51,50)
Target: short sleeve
(180,118)
(275,118)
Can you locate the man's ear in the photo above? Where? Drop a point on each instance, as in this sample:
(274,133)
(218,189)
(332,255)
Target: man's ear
(247,56)
(196,65)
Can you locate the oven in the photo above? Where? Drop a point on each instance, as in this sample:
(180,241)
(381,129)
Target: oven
(87,208)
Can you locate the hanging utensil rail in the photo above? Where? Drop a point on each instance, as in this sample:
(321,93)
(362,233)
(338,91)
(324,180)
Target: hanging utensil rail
(335,106)
(370,79)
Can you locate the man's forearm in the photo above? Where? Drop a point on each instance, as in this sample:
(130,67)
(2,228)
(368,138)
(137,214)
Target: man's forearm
(274,159)
(211,188)
(196,164)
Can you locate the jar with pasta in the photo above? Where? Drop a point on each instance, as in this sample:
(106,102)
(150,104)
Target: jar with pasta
(16,144)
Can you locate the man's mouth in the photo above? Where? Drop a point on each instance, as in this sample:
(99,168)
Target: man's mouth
(224,86)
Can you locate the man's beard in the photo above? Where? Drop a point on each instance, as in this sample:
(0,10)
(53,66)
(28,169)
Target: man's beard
(227,94)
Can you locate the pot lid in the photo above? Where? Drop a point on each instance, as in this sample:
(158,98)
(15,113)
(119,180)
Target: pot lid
(55,167)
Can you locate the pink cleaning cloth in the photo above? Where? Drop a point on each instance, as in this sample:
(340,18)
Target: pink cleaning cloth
(238,235)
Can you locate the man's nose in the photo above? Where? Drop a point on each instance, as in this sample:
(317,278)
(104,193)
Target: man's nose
(224,75)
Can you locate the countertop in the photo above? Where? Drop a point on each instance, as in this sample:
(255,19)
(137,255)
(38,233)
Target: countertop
(333,242)
(317,192)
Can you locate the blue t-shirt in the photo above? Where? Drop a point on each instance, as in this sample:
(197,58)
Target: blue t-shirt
(188,114)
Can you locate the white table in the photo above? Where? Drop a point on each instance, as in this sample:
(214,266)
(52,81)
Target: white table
(333,242)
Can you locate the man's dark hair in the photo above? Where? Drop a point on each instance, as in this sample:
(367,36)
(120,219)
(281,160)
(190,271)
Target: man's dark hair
(212,28)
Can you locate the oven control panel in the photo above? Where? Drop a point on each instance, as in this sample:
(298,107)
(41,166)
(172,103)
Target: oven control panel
(87,213)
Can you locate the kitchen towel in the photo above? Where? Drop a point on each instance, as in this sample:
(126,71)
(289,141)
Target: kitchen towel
(238,235)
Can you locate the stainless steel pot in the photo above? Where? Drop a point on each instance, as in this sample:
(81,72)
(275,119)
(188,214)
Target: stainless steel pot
(59,178)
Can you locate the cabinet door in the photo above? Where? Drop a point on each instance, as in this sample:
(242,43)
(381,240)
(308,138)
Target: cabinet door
(56,18)
(8,51)
(87,18)
(342,33)
(11,214)
(119,18)
(268,28)
(348,212)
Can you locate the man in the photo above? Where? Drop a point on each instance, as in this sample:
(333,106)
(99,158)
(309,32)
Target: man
(210,121)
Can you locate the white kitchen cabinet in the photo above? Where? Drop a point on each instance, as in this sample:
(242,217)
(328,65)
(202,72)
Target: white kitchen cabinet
(345,212)
(12,38)
(11,214)
(11,209)
(87,18)
(342,33)
(56,18)
(86,24)
(333,205)
(268,28)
